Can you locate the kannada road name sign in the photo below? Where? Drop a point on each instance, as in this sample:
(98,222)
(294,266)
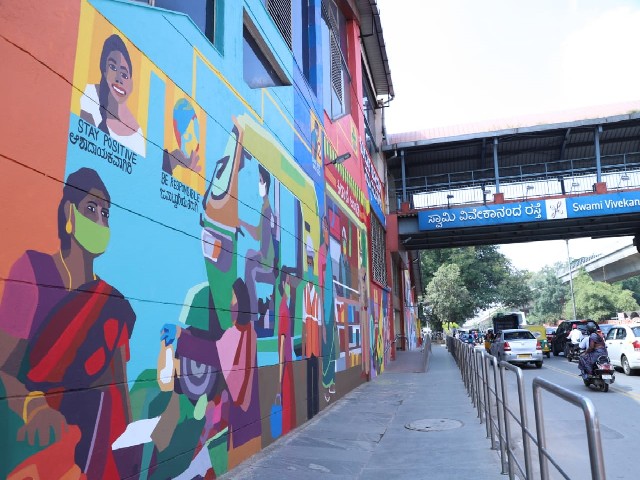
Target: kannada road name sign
(530,211)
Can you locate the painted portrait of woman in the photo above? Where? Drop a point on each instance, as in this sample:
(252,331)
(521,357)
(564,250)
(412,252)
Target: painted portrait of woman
(105,105)
(64,345)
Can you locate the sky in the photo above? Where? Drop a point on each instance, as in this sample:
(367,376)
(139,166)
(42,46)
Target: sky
(457,62)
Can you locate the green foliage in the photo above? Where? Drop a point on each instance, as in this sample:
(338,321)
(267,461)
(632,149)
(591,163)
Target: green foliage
(514,290)
(632,284)
(482,270)
(598,300)
(549,296)
(447,295)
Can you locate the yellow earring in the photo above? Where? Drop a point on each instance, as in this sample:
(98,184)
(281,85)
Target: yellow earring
(67,226)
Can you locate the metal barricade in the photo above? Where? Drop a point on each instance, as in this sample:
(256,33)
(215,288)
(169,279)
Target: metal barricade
(484,378)
(522,422)
(594,441)
(497,425)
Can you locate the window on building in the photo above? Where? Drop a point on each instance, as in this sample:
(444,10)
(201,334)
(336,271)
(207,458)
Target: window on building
(204,13)
(307,51)
(337,81)
(295,21)
(369,105)
(280,11)
(378,252)
(260,68)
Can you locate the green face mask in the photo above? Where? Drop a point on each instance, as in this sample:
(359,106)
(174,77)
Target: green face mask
(92,237)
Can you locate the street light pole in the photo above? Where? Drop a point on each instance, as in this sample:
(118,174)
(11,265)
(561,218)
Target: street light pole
(573,298)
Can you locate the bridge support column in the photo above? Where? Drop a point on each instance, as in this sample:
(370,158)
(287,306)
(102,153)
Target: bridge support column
(495,164)
(600,187)
(598,131)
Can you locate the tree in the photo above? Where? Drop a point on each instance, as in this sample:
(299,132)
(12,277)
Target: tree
(448,297)
(514,290)
(599,300)
(632,284)
(549,296)
(482,270)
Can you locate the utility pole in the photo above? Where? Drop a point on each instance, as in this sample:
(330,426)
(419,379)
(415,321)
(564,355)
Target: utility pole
(573,298)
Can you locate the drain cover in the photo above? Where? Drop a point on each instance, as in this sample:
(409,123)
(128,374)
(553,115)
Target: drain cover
(433,425)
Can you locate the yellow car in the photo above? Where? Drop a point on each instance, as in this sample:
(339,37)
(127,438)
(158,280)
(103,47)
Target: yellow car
(540,332)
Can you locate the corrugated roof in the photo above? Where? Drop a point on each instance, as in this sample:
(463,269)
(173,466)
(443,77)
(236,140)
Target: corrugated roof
(491,128)
(374,46)
(528,146)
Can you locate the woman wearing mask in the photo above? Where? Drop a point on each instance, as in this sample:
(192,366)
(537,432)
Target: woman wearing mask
(64,343)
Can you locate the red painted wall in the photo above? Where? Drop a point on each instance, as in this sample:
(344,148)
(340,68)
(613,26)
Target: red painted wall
(37,39)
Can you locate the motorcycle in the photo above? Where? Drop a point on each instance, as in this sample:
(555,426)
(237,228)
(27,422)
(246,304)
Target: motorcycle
(603,374)
(571,351)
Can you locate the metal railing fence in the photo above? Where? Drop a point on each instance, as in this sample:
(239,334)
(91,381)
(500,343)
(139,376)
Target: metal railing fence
(521,182)
(484,378)
(594,441)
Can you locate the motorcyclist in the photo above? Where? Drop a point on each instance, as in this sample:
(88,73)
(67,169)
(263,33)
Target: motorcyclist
(574,337)
(584,342)
(596,348)
(575,334)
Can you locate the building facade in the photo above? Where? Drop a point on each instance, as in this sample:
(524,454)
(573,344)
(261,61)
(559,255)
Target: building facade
(195,259)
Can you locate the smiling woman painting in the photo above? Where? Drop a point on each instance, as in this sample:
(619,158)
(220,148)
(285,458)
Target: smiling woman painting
(105,105)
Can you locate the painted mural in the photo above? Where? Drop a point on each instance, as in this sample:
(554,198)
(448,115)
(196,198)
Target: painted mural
(411,320)
(380,339)
(208,293)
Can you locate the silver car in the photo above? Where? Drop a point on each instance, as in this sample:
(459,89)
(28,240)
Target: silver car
(517,346)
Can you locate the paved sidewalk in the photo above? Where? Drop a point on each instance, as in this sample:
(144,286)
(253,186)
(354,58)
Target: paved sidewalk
(363,435)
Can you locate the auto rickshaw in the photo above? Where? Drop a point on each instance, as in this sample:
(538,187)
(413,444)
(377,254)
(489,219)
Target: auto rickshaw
(540,332)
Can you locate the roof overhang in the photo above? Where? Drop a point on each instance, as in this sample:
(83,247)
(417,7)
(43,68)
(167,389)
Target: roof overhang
(374,47)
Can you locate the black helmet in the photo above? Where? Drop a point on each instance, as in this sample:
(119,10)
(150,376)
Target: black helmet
(591,327)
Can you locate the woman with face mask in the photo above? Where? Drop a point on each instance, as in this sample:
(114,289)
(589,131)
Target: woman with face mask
(64,343)
(261,264)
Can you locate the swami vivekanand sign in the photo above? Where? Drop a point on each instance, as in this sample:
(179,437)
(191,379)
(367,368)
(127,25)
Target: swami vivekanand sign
(533,211)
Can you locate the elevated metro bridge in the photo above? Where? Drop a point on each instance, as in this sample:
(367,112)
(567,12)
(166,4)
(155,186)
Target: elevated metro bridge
(544,182)
(618,264)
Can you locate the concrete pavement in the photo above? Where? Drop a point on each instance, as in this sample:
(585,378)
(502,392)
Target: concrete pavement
(363,435)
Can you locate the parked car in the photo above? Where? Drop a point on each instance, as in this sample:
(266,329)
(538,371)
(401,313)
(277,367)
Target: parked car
(540,333)
(560,340)
(623,345)
(517,345)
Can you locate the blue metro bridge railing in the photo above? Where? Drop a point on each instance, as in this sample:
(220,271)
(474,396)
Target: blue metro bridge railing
(520,182)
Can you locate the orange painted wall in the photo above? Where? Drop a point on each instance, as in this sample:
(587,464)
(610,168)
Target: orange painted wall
(37,48)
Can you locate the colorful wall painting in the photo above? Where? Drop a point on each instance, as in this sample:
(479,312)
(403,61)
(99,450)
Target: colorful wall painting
(205,294)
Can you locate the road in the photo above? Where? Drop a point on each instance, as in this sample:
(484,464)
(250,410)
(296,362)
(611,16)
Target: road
(618,411)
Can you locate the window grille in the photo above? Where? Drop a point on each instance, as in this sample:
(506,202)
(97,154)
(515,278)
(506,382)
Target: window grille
(280,11)
(378,252)
(336,54)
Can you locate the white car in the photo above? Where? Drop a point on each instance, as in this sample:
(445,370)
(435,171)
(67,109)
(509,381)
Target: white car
(623,346)
(517,346)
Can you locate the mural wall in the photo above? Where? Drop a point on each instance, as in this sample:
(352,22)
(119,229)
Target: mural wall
(411,320)
(207,290)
